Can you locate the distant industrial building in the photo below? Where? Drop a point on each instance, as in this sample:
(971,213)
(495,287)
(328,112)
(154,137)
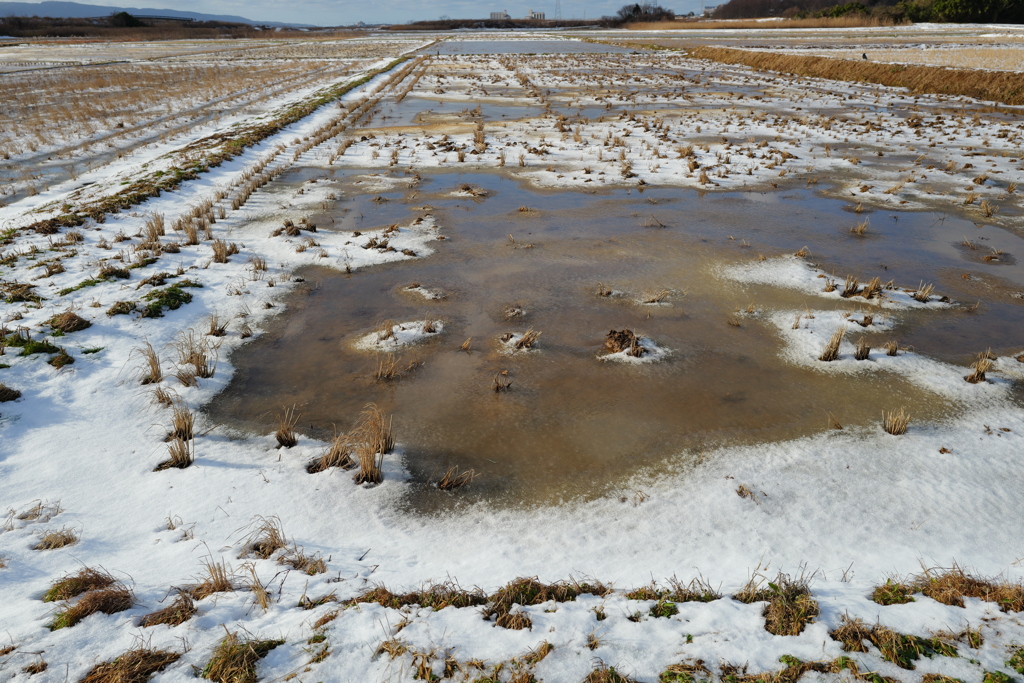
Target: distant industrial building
(500,15)
(535,15)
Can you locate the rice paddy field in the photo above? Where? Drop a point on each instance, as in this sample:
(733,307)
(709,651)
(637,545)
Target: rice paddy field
(654,356)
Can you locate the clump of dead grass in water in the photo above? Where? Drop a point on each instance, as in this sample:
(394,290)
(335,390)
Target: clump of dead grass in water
(235,659)
(624,340)
(175,614)
(109,600)
(454,480)
(790,604)
(529,591)
(134,666)
(373,439)
(73,585)
(528,340)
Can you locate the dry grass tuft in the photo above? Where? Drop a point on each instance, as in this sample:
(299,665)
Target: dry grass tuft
(134,666)
(68,321)
(435,596)
(923,293)
(979,368)
(950,587)
(790,604)
(624,340)
(175,614)
(194,349)
(152,371)
(895,647)
(110,600)
(338,454)
(182,421)
(831,350)
(851,288)
(285,434)
(892,347)
(181,452)
(373,439)
(56,538)
(528,339)
(234,660)
(8,394)
(860,229)
(607,674)
(895,421)
(529,591)
(266,537)
(70,586)
(218,579)
(454,480)
(862,350)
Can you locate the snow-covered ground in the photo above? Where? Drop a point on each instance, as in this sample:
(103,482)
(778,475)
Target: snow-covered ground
(849,507)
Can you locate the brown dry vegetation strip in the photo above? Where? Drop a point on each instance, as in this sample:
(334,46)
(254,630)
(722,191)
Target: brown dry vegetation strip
(219,148)
(998,86)
(134,666)
(950,587)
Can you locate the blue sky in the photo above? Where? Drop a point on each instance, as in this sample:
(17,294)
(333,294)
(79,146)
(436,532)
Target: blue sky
(332,12)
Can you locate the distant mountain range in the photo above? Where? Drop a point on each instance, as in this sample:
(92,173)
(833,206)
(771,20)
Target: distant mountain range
(75,10)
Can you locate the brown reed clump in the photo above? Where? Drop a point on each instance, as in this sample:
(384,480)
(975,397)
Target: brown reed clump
(234,660)
(528,339)
(373,439)
(285,434)
(175,614)
(181,454)
(862,350)
(338,454)
(999,86)
(68,321)
(110,600)
(53,539)
(831,350)
(980,367)
(454,480)
(895,422)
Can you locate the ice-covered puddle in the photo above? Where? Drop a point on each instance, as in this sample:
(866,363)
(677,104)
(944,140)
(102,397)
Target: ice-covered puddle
(729,326)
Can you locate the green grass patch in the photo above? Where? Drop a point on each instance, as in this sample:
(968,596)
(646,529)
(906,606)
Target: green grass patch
(94,349)
(173,298)
(91,282)
(30,346)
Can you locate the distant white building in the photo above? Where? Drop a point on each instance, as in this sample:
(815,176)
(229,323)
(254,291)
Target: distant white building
(535,15)
(709,10)
(500,15)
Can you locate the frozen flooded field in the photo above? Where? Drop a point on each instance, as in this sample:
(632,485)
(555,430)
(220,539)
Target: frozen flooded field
(730,361)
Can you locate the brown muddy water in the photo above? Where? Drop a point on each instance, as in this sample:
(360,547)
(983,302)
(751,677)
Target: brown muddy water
(572,425)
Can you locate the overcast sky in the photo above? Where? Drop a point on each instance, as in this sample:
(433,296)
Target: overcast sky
(334,12)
